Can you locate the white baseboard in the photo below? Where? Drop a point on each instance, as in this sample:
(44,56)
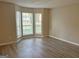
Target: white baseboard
(12,42)
(18,40)
(64,40)
(46,36)
(42,36)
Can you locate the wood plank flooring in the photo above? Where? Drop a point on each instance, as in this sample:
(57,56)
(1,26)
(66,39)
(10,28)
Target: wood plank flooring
(40,48)
(8,51)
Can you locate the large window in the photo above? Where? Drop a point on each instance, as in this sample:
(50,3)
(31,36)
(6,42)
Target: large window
(38,23)
(28,23)
(18,24)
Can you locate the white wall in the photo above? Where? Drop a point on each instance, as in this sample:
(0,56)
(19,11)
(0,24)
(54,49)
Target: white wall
(7,23)
(65,23)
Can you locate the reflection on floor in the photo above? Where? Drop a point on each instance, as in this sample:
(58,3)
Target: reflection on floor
(40,48)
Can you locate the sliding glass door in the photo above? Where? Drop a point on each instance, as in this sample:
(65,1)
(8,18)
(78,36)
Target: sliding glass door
(27,23)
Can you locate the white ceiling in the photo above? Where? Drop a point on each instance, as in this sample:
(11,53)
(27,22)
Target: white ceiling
(43,3)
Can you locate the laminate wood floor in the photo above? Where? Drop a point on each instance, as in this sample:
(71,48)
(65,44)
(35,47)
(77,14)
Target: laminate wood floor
(40,48)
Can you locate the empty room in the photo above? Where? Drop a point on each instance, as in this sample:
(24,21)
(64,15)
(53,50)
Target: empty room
(39,28)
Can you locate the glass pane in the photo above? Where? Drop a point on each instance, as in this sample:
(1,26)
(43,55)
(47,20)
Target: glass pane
(38,23)
(18,24)
(27,22)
